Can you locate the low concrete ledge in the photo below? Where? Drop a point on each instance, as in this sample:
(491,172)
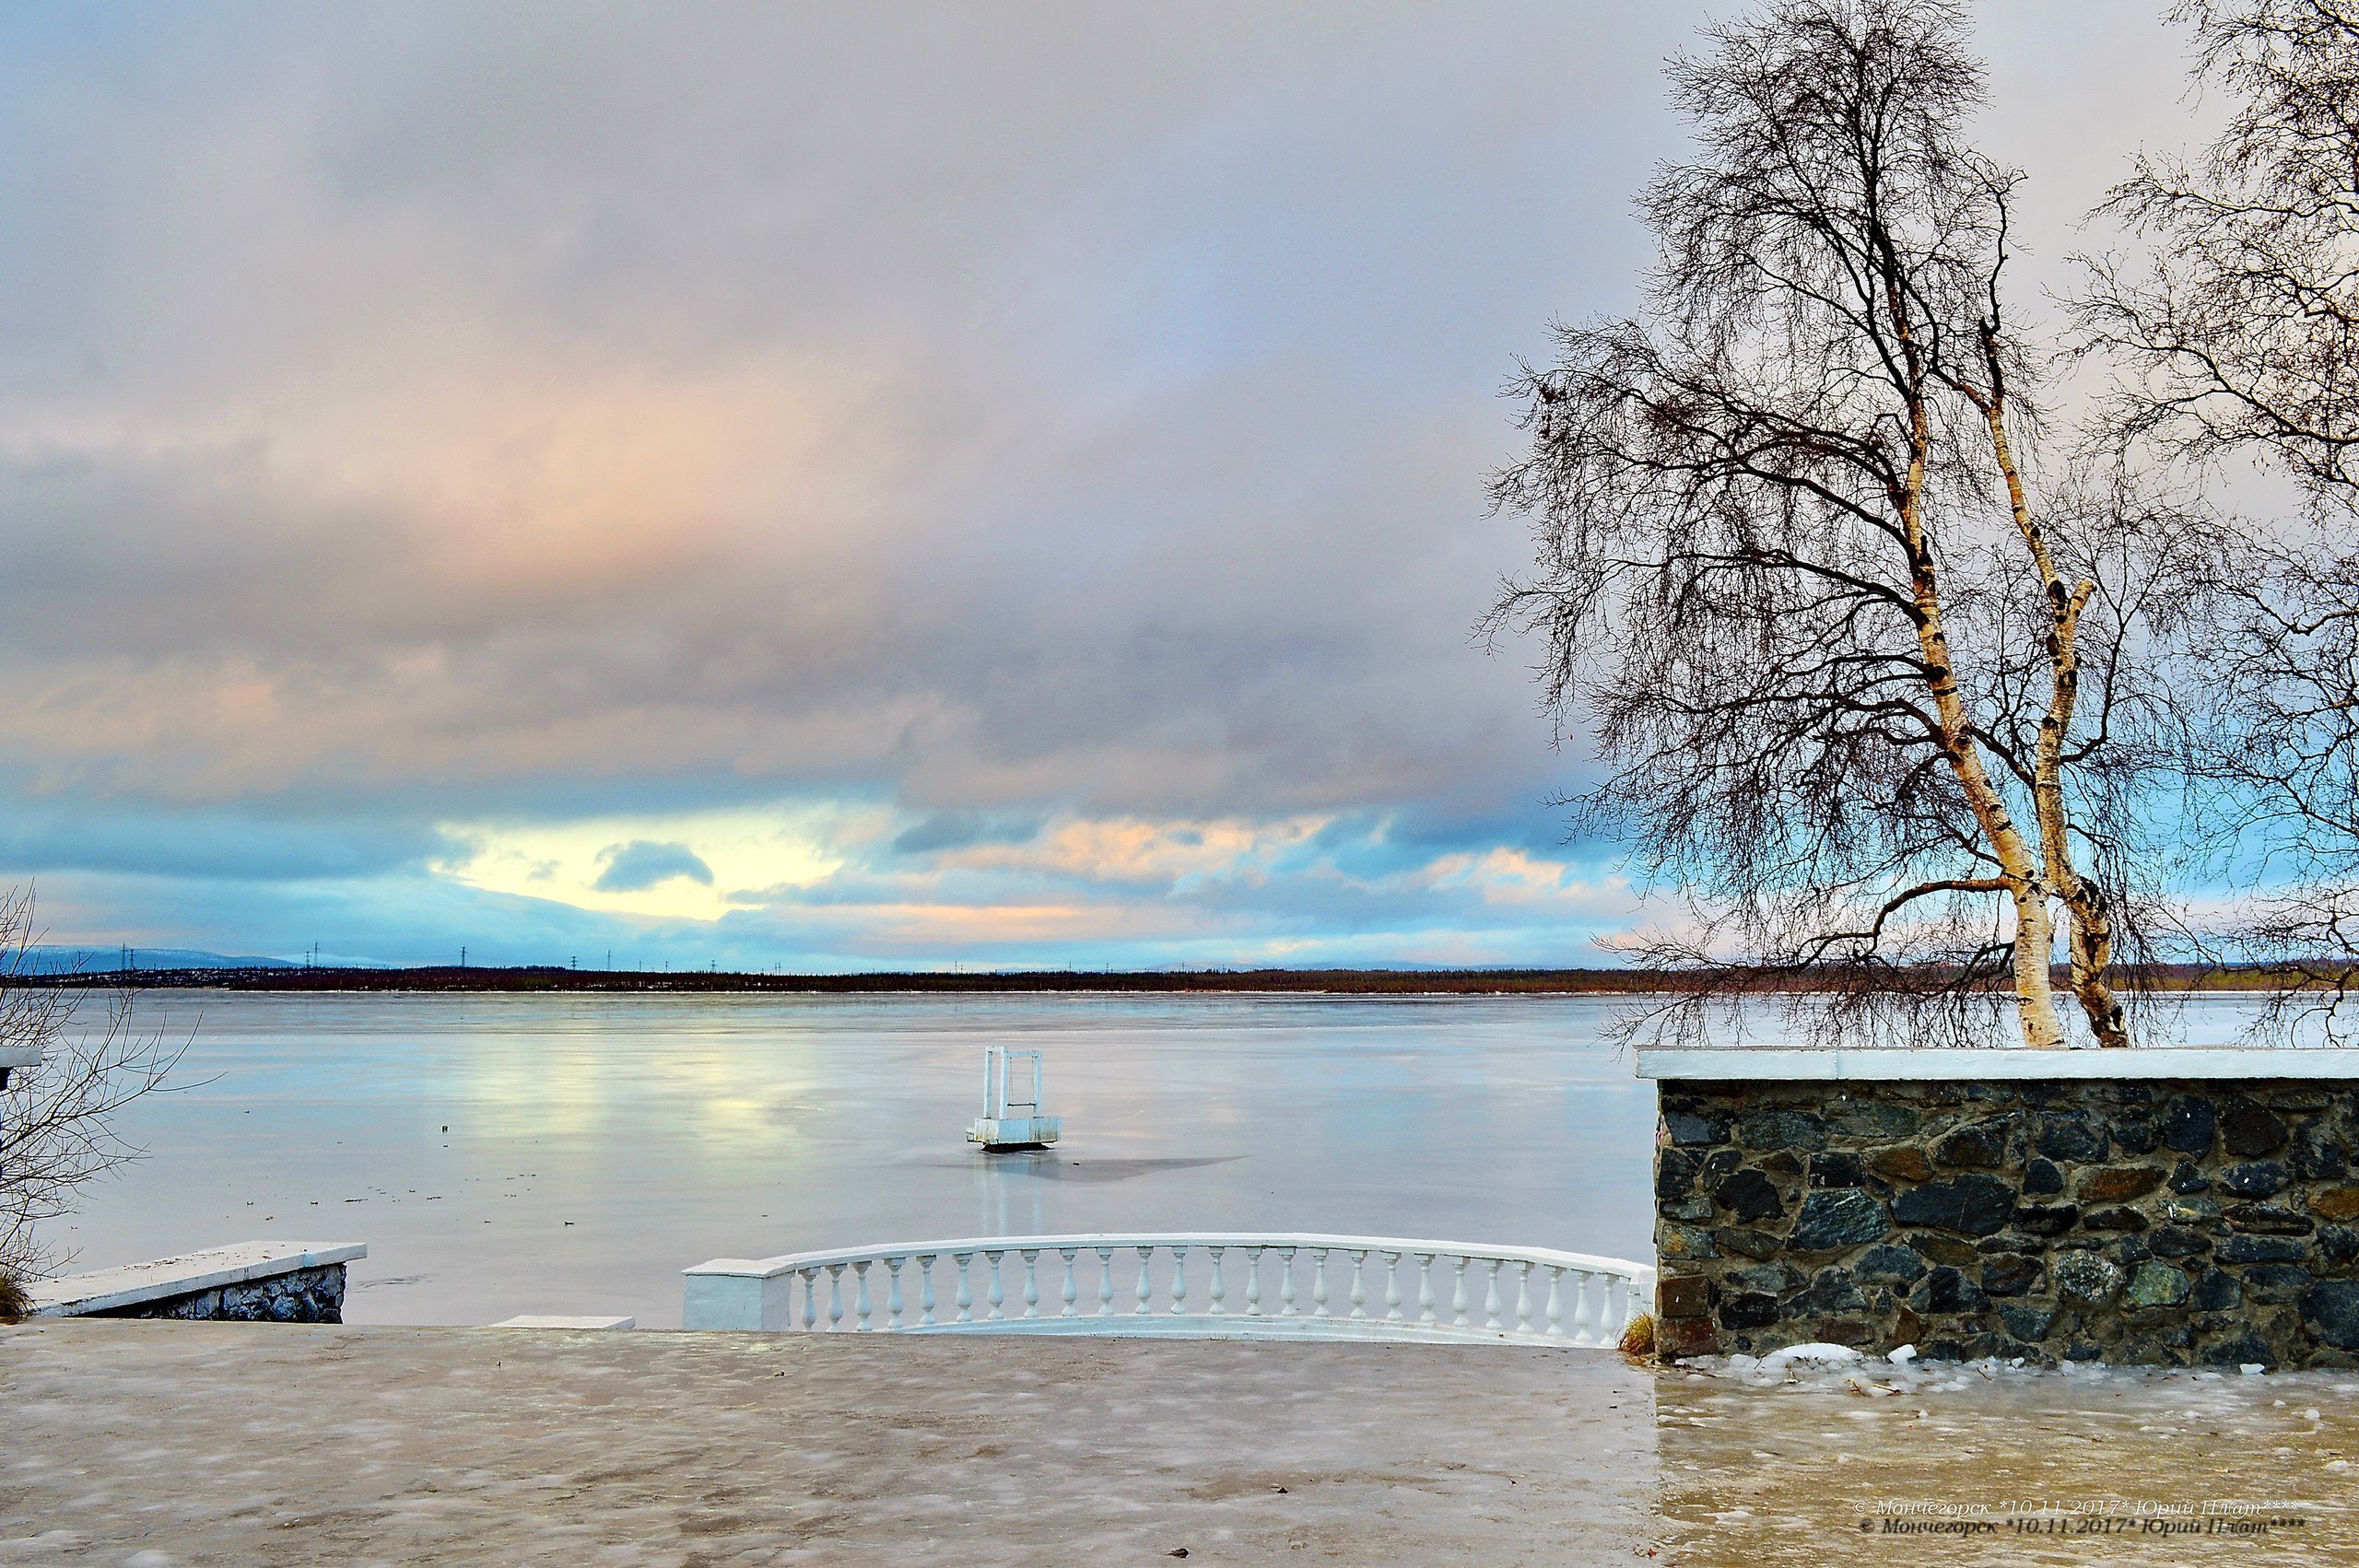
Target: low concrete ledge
(290,1282)
(1780,1064)
(546,1320)
(14,1057)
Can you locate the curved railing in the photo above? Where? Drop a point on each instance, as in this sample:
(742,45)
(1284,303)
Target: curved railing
(1203,1286)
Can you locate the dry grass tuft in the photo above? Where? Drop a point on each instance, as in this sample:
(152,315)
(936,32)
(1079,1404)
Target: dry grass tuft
(14,1302)
(1638,1339)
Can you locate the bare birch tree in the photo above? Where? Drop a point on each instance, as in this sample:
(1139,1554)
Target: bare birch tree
(1866,690)
(59,1126)
(2237,333)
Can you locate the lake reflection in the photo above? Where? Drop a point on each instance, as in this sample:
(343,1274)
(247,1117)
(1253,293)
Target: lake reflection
(597,1145)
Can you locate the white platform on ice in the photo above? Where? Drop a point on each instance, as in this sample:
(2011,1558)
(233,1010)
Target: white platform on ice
(1784,1064)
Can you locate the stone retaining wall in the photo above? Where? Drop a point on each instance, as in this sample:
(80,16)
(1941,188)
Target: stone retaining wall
(301,1295)
(2173,1222)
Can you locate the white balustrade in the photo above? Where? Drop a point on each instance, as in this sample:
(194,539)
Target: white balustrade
(1530,1295)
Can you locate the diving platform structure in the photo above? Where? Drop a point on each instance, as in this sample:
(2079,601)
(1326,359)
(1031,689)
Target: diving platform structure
(1009,1124)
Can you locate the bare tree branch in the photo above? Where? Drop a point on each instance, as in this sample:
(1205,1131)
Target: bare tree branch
(59,1125)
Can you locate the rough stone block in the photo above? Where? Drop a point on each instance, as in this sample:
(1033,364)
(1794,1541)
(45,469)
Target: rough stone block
(2331,1309)
(2086,1278)
(1975,1205)
(2257,1178)
(2070,1135)
(1871,1120)
(2010,1274)
(1737,1242)
(1889,1265)
(2156,1284)
(1682,1242)
(2273,1282)
(2046,1220)
(1749,1194)
(2336,1202)
(1830,1168)
(2249,1129)
(1682,1295)
(1835,1219)
(1982,1143)
(2269,1219)
(1901,1163)
(1748,1309)
(2115,1184)
(1679,1337)
(2188,1125)
(1688,1131)
(1771,1130)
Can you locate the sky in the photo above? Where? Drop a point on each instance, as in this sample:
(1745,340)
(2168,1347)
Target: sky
(824,486)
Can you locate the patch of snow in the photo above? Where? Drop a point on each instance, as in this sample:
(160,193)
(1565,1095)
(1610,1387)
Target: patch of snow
(1817,1355)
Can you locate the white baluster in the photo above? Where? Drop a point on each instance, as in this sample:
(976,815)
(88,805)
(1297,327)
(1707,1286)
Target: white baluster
(1318,1281)
(966,1292)
(1425,1287)
(1146,1282)
(1179,1281)
(835,1295)
(810,1297)
(1523,1295)
(998,1294)
(1458,1293)
(1285,1282)
(1105,1281)
(1031,1283)
(925,1290)
(1066,1252)
(893,1292)
(1220,1291)
(1360,1282)
(1555,1304)
(1619,1308)
(1584,1314)
(1391,1287)
(860,1296)
(1253,1281)
(1491,1294)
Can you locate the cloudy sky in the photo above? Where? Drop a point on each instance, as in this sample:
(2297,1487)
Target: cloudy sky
(825,485)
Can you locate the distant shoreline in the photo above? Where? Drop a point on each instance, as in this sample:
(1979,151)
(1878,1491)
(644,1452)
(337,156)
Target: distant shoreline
(548,978)
(553,978)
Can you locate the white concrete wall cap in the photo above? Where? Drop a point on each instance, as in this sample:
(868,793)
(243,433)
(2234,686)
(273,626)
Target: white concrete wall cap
(1767,1064)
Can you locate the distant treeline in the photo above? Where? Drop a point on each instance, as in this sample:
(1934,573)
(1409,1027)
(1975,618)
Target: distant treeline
(1345,982)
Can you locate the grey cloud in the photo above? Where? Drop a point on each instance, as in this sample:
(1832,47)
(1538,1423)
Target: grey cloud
(641,864)
(956,830)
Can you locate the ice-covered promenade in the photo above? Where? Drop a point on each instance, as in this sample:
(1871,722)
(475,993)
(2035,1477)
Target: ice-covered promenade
(282,1444)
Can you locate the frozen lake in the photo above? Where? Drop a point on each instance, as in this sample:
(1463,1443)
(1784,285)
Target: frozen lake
(597,1145)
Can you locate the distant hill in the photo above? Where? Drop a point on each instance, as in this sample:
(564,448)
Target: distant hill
(49,959)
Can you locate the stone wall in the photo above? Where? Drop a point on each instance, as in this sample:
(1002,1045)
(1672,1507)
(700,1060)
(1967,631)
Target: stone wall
(2169,1223)
(301,1296)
